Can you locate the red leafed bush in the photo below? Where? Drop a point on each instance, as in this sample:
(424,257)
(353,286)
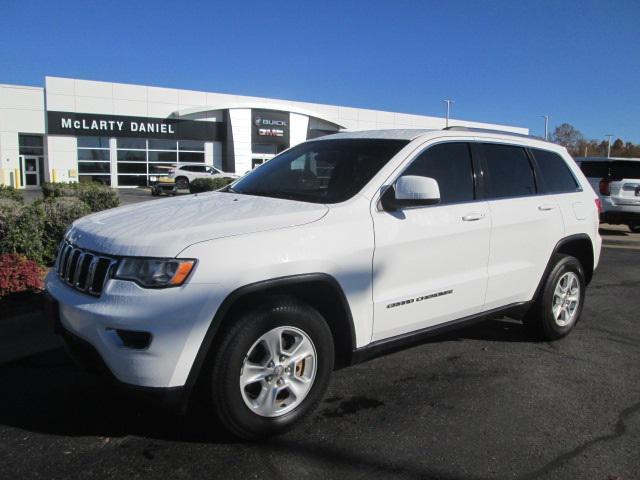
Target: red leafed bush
(19,274)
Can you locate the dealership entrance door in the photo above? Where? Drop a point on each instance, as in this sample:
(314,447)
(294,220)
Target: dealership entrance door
(31,171)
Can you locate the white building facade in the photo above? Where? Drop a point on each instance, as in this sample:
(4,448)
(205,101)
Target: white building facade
(121,135)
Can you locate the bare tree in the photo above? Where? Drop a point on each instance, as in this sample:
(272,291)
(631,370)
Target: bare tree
(569,137)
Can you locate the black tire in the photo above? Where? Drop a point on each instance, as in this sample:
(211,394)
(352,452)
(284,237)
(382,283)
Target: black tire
(224,380)
(182,183)
(634,227)
(540,319)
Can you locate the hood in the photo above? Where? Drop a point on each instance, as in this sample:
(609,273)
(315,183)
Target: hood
(163,228)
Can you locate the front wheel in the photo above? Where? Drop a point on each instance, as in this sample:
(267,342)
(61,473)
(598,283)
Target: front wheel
(560,301)
(182,183)
(271,368)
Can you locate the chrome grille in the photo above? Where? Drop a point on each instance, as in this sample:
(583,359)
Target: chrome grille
(83,270)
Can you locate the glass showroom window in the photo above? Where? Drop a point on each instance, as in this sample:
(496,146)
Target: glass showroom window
(163,154)
(190,151)
(138,159)
(94,164)
(132,162)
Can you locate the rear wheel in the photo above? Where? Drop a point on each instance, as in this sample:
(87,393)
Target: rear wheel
(271,368)
(559,303)
(634,227)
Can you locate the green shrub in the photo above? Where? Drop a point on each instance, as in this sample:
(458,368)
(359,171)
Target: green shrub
(60,189)
(96,195)
(58,213)
(209,184)
(11,193)
(21,230)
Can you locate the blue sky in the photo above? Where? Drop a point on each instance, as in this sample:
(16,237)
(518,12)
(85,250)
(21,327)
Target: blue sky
(501,61)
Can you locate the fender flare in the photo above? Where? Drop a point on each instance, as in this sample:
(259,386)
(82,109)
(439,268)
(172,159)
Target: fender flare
(263,285)
(559,245)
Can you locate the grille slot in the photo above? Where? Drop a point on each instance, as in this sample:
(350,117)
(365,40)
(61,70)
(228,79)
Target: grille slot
(83,270)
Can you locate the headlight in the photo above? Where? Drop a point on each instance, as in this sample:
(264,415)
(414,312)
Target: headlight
(155,272)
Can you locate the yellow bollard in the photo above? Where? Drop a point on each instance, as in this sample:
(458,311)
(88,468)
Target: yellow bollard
(17,178)
(54,175)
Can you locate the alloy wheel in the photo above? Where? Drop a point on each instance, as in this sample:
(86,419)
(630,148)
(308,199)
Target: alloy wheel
(566,299)
(278,371)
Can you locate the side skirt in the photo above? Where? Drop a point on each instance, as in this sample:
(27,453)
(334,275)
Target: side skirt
(411,339)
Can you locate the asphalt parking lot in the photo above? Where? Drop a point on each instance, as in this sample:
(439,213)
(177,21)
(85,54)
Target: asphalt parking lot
(486,402)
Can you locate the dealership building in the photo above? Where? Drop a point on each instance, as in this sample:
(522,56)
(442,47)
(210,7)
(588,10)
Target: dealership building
(120,134)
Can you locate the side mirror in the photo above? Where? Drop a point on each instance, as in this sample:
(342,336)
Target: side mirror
(411,191)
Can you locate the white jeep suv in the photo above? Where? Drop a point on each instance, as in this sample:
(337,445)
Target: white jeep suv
(337,250)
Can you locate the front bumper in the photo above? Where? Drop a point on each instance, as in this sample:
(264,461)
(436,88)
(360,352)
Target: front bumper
(86,356)
(176,319)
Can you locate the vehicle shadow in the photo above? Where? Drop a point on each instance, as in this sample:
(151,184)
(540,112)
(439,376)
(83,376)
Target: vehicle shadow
(49,394)
(494,330)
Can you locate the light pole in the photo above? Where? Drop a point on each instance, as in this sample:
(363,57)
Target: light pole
(609,136)
(546,126)
(449,103)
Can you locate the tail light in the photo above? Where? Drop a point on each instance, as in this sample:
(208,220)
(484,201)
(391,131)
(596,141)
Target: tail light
(605,187)
(599,205)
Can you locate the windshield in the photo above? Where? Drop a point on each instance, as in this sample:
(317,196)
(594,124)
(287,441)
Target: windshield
(325,171)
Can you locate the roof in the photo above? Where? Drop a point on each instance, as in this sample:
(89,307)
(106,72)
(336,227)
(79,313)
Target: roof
(413,133)
(391,134)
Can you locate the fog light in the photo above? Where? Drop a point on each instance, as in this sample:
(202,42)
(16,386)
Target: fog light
(133,339)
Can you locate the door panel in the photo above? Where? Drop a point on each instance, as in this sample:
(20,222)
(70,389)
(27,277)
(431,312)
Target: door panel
(525,225)
(429,267)
(524,232)
(430,263)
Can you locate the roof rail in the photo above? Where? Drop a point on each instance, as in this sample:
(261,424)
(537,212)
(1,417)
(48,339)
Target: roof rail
(488,130)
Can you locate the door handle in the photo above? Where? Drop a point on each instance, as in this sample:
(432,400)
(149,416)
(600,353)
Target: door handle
(473,217)
(545,207)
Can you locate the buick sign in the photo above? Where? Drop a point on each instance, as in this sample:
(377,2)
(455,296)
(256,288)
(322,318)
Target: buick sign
(270,126)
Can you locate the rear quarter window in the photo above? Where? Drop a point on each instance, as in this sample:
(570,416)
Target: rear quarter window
(556,175)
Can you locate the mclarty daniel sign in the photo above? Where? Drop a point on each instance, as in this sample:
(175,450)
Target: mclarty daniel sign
(86,124)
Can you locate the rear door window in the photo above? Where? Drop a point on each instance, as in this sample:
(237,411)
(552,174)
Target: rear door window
(556,175)
(508,171)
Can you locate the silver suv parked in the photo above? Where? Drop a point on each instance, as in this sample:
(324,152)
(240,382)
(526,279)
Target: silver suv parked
(617,181)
